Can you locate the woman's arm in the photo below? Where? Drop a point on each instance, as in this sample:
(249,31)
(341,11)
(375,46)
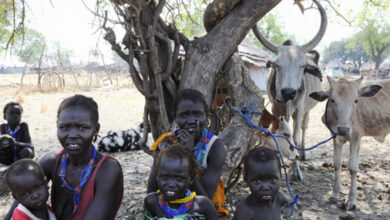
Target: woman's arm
(108,192)
(212,174)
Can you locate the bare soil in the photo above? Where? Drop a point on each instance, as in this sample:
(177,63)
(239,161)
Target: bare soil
(121,107)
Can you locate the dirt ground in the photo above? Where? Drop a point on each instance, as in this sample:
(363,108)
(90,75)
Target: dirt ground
(121,107)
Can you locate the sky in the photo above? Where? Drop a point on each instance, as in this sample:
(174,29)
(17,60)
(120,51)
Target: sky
(70,23)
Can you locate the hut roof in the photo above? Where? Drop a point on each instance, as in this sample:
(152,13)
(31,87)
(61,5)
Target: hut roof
(251,53)
(335,63)
(367,66)
(385,65)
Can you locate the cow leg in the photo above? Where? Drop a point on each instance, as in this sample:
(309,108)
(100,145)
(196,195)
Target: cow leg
(353,169)
(297,120)
(296,171)
(337,158)
(305,123)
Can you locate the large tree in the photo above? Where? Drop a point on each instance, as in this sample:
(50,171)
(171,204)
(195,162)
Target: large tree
(155,44)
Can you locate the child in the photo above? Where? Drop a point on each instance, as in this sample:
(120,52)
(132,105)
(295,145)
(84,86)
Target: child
(28,185)
(191,114)
(175,168)
(262,174)
(85,183)
(16,141)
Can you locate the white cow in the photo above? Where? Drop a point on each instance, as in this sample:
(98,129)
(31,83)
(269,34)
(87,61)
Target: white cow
(290,82)
(354,111)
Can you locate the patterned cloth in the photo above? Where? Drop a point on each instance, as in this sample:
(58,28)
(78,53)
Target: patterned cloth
(187,216)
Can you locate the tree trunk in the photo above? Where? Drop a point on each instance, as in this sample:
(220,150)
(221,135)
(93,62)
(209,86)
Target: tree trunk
(207,55)
(238,135)
(25,68)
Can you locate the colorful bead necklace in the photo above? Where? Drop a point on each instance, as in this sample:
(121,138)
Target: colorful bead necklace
(201,146)
(85,174)
(13,134)
(187,202)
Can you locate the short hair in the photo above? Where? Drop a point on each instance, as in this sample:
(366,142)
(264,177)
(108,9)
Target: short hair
(261,154)
(83,102)
(180,152)
(189,94)
(9,104)
(22,167)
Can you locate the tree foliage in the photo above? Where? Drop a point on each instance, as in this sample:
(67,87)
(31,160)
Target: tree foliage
(374,30)
(12,14)
(345,51)
(33,46)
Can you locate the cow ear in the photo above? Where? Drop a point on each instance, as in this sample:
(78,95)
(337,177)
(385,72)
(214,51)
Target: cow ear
(319,96)
(370,91)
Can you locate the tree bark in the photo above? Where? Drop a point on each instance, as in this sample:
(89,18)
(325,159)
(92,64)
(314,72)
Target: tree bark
(238,135)
(206,56)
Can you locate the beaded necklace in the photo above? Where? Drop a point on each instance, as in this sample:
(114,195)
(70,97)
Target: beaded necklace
(187,202)
(201,146)
(85,174)
(13,134)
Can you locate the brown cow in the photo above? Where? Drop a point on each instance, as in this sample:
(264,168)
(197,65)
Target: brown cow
(354,111)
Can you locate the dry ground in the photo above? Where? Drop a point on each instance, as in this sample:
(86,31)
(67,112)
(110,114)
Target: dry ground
(121,107)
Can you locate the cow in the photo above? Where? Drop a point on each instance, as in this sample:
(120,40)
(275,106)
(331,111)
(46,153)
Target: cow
(294,75)
(279,126)
(354,110)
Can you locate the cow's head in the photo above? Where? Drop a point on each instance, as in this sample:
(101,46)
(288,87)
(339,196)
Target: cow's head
(343,98)
(291,60)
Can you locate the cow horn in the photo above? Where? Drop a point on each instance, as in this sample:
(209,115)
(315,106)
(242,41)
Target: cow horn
(266,43)
(324,22)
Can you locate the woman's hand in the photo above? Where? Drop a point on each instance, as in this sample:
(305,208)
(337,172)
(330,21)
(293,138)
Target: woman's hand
(186,138)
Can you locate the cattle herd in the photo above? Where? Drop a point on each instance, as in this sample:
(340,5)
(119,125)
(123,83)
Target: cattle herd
(354,109)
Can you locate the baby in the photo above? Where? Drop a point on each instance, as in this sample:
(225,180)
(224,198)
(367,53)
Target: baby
(262,174)
(27,183)
(175,168)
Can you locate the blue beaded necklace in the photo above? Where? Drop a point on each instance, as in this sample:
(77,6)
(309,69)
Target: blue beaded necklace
(174,212)
(13,134)
(85,174)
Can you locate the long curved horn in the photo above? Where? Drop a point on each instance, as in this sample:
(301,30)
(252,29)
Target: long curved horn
(267,44)
(324,22)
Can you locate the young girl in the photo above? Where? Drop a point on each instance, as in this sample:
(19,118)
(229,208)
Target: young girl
(28,185)
(190,111)
(175,167)
(262,174)
(85,183)
(16,141)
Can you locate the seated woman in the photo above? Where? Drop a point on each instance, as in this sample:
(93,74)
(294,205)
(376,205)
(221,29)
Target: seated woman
(79,173)
(175,168)
(85,183)
(190,111)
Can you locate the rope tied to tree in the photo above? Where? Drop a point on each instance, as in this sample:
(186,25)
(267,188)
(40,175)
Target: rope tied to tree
(247,112)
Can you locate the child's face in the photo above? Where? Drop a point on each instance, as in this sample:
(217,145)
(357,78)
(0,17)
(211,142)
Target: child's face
(31,191)
(263,179)
(75,130)
(13,115)
(174,177)
(191,116)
